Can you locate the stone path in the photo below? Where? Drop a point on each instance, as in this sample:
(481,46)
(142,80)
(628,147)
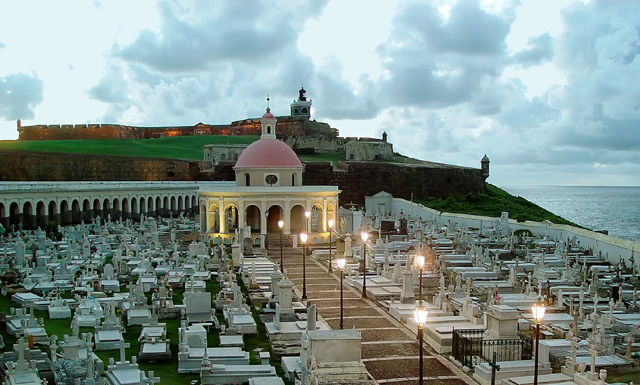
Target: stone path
(390,351)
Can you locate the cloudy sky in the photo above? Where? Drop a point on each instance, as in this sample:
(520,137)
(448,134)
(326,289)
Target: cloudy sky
(548,89)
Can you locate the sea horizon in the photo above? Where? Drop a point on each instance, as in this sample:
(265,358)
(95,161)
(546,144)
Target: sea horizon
(615,209)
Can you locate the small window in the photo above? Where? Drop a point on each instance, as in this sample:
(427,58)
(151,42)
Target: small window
(295,110)
(247,180)
(271,179)
(268,129)
(223,157)
(304,110)
(350,156)
(293,179)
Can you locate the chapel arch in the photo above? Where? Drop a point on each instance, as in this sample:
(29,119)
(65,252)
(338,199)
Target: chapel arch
(298,220)
(231,218)
(213,219)
(252,215)
(316,218)
(275,213)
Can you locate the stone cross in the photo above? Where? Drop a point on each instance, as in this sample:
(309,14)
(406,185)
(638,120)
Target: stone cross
(20,347)
(574,349)
(581,303)
(594,353)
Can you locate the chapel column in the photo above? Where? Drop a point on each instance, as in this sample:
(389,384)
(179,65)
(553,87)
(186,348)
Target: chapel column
(287,215)
(324,214)
(222,219)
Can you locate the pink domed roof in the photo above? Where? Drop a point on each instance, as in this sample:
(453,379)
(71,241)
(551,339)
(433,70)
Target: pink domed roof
(268,114)
(268,153)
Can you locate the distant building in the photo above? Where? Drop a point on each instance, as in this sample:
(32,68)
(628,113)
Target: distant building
(366,149)
(302,106)
(215,153)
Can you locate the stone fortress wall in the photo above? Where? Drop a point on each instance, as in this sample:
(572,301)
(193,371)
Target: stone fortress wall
(40,166)
(288,126)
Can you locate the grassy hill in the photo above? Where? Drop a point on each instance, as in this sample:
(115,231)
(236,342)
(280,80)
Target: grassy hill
(492,204)
(183,147)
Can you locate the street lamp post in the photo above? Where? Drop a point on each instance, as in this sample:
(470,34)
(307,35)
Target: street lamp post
(420,316)
(281,225)
(364,235)
(307,214)
(420,264)
(341,262)
(303,239)
(538,313)
(330,239)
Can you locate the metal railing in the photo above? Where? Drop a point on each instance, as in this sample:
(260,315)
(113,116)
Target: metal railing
(470,347)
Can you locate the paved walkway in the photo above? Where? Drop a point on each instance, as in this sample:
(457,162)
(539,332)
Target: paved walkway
(390,351)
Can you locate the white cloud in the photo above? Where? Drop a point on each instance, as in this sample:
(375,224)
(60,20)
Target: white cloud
(547,88)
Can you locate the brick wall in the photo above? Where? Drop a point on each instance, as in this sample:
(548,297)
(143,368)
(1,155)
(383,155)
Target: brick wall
(40,166)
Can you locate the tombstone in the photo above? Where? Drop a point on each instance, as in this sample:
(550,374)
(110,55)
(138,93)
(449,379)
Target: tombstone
(348,252)
(502,322)
(20,253)
(408,296)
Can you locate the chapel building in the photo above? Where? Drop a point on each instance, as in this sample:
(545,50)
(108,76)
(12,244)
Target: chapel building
(268,189)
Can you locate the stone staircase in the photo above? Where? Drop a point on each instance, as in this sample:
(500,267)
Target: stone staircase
(273,241)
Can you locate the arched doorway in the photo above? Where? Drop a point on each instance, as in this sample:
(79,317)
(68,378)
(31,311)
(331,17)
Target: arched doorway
(76,215)
(14,215)
(116,210)
(96,208)
(28,219)
(298,220)
(65,214)
(274,214)
(41,214)
(252,214)
(231,217)
(53,209)
(86,211)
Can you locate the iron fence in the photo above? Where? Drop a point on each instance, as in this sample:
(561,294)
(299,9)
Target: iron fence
(469,347)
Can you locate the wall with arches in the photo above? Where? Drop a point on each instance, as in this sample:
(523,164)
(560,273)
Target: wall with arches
(31,209)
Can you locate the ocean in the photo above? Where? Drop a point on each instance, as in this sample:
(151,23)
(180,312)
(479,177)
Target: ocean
(616,209)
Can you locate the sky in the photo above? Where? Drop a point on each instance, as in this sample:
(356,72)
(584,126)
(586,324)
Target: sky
(548,89)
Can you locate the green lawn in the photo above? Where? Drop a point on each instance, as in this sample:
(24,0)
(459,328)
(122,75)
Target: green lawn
(184,148)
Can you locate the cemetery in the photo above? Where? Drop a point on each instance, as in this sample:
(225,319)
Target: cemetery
(273,283)
(133,304)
